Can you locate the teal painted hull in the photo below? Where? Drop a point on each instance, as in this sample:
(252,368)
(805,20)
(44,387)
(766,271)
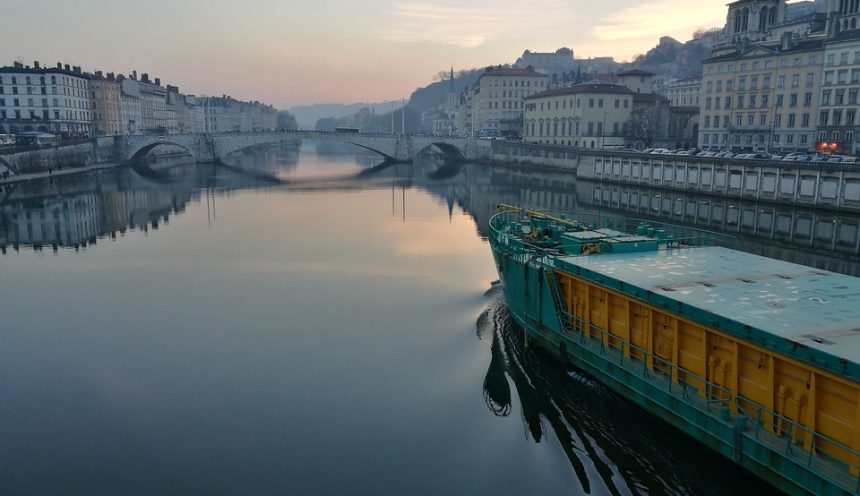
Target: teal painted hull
(529,297)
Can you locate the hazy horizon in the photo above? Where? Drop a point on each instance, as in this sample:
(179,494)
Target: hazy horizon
(300,53)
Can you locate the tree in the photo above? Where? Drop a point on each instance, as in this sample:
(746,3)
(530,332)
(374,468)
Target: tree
(286,120)
(647,124)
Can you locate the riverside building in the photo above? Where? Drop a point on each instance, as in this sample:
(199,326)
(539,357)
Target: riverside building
(589,115)
(47,99)
(498,100)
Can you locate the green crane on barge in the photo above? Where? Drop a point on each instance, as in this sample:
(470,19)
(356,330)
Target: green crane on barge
(756,358)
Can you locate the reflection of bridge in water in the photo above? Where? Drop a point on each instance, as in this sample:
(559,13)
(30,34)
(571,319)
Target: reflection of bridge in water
(77,211)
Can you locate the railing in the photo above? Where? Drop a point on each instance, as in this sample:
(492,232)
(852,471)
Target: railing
(824,455)
(638,360)
(671,235)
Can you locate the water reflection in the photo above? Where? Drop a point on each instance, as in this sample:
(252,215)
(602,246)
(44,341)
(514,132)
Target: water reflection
(78,211)
(612,446)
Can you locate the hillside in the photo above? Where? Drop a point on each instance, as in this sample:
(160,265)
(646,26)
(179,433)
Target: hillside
(674,59)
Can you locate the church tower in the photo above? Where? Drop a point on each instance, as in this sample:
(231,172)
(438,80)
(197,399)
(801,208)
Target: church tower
(842,15)
(752,19)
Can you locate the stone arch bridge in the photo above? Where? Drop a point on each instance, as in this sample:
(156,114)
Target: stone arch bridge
(214,147)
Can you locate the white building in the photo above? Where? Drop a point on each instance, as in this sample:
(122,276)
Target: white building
(683,92)
(36,98)
(498,99)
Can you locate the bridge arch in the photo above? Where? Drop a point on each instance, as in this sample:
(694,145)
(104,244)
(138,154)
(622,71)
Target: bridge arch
(451,152)
(145,148)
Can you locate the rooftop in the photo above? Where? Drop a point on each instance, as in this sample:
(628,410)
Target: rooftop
(601,89)
(505,71)
(635,72)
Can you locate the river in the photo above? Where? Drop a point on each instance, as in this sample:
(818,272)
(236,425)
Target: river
(314,322)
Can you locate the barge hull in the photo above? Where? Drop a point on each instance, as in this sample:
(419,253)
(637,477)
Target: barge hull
(687,374)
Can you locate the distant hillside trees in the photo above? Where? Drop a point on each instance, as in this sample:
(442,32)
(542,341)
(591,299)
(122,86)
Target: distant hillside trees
(286,120)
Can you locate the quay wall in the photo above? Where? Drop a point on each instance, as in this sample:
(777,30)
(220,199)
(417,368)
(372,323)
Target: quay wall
(826,186)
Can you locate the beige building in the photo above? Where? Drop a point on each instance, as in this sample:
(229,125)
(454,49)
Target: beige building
(637,80)
(590,115)
(838,122)
(498,99)
(107,105)
(761,89)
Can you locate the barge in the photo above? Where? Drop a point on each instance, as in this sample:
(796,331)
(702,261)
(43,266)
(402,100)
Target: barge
(756,358)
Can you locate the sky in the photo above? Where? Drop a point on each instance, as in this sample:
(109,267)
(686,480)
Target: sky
(287,52)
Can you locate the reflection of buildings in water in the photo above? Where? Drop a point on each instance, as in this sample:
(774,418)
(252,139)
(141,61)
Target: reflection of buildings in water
(265,159)
(822,239)
(608,453)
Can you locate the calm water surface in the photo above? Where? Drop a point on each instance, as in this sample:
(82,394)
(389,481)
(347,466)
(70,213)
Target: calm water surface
(274,328)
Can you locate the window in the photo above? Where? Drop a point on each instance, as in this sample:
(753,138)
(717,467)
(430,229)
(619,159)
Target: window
(840,97)
(789,139)
(738,120)
(822,118)
(828,77)
(777,120)
(708,103)
(707,121)
(765,84)
(764,100)
(728,104)
(725,121)
(617,103)
(742,84)
(600,102)
(752,101)
(807,99)
(850,117)
(778,100)
(709,87)
(825,97)
(740,101)
(837,117)
(791,120)
(729,85)
(591,103)
(762,120)
(804,121)
(792,100)
(780,83)
(795,80)
(843,58)
(750,120)
(803,139)
(719,86)
(842,76)
(753,83)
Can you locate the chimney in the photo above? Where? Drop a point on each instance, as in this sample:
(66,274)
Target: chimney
(59,65)
(144,77)
(76,69)
(134,74)
(36,64)
(18,65)
(157,81)
(111,76)
(66,67)
(99,75)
